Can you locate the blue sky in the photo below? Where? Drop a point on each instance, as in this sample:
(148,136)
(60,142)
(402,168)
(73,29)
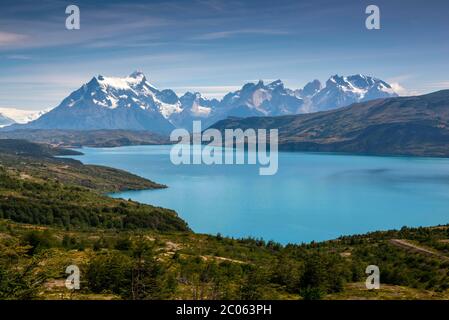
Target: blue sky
(216,46)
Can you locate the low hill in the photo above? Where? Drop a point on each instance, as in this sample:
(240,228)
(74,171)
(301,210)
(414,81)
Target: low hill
(29,199)
(38,160)
(26,148)
(37,188)
(88,138)
(395,126)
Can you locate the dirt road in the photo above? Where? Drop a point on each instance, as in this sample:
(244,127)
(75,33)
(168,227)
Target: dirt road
(405,244)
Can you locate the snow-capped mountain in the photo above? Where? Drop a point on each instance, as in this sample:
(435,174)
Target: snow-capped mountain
(22,116)
(310,89)
(261,99)
(253,99)
(113,103)
(274,99)
(343,91)
(132,103)
(194,107)
(5,121)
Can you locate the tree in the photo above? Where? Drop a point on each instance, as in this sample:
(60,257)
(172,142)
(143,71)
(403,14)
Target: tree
(21,283)
(313,283)
(109,272)
(149,276)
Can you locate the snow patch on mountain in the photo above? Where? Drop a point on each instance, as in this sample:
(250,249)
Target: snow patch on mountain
(167,110)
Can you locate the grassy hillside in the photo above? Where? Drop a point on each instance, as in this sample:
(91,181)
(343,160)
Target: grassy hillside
(37,160)
(40,189)
(174,265)
(395,126)
(29,199)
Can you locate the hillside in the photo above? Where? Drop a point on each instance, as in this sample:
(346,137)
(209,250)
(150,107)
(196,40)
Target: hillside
(28,199)
(174,265)
(37,160)
(87,138)
(26,148)
(395,126)
(37,188)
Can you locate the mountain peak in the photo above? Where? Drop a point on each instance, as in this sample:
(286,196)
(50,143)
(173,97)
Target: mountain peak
(311,88)
(276,83)
(138,75)
(335,79)
(134,80)
(344,90)
(356,80)
(192,95)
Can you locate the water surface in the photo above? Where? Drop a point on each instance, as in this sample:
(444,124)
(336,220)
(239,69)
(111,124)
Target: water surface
(312,197)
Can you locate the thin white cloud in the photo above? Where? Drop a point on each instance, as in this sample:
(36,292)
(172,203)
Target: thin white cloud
(428,87)
(400,78)
(230,33)
(399,89)
(439,84)
(9,38)
(18,57)
(94,27)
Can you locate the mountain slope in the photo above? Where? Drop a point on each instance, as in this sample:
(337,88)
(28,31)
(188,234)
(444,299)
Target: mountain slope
(403,125)
(5,121)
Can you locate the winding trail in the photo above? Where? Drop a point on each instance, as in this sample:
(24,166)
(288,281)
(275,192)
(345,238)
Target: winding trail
(404,244)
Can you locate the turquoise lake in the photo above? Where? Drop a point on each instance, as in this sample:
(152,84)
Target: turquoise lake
(312,197)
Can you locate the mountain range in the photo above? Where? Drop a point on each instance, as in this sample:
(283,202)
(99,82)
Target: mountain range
(416,125)
(21,116)
(132,103)
(5,121)
(10,116)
